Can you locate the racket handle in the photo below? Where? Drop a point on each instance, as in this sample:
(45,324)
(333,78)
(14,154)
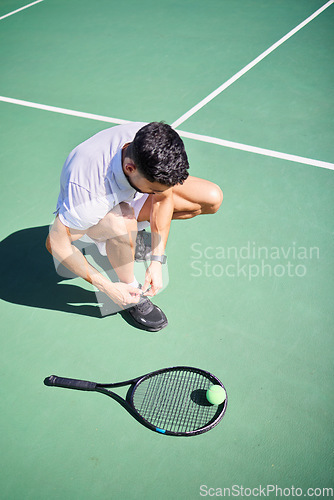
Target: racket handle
(70,383)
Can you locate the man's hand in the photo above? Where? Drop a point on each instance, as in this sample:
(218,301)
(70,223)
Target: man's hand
(59,245)
(153,279)
(123,294)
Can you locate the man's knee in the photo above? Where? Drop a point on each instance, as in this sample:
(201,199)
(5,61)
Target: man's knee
(126,211)
(215,199)
(48,244)
(117,223)
(122,219)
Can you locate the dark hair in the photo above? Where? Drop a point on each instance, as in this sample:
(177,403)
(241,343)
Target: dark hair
(159,154)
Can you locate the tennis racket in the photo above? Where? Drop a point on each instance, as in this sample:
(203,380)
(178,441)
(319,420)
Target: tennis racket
(171,401)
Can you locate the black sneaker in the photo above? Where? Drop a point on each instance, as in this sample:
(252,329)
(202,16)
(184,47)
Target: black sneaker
(147,316)
(143,246)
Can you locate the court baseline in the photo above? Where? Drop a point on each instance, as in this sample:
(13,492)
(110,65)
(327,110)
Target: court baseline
(189,135)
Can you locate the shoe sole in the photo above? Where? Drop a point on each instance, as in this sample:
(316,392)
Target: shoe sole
(155,329)
(142,326)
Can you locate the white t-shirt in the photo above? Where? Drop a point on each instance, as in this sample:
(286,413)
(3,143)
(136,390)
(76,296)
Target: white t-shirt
(92,181)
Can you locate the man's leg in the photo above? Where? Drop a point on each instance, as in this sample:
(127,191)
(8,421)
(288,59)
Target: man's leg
(118,229)
(194,197)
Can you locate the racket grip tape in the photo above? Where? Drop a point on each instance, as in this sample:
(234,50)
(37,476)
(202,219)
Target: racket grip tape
(69,383)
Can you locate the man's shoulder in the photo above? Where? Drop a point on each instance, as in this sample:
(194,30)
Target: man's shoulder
(100,148)
(113,136)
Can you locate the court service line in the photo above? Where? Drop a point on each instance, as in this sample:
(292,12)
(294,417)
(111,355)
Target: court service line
(63,111)
(22,8)
(188,135)
(249,66)
(254,149)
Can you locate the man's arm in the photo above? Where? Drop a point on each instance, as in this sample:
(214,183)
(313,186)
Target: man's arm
(59,244)
(160,219)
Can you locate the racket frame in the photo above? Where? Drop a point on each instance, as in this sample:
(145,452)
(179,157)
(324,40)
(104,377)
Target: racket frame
(128,404)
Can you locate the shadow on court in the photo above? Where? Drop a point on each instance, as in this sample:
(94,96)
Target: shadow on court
(29,277)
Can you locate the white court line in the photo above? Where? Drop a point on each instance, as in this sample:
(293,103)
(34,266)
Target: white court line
(189,135)
(254,149)
(63,111)
(249,66)
(22,8)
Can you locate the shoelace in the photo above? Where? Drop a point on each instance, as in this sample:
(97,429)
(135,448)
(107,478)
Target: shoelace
(144,305)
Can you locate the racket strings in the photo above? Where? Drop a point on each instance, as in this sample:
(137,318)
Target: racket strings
(175,400)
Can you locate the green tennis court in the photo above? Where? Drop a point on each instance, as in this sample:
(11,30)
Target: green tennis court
(249,87)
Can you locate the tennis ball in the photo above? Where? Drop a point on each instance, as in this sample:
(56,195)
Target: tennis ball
(216,394)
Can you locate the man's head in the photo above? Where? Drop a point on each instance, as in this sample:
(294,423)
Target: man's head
(158,154)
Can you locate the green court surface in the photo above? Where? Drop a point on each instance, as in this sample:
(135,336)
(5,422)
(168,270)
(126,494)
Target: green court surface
(249,293)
